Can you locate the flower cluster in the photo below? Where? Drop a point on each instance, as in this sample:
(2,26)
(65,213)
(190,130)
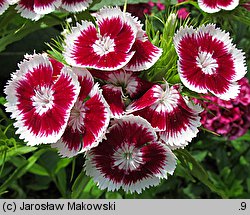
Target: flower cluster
(36,9)
(99,104)
(230,119)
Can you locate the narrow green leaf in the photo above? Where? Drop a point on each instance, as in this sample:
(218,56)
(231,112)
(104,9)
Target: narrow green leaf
(62,163)
(61,179)
(14,151)
(2,100)
(19,172)
(113,195)
(197,170)
(79,184)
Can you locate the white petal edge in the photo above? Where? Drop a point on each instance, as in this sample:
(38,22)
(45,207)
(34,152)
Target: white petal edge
(76,7)
(48,8)
(231,93)
(3,7)
(28,14)
(232,6)
(206,8)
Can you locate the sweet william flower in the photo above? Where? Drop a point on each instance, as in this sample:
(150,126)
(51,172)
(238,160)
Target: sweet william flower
(212,6)
(118,42)
(208,61)
(35,9)
(175,119)
(130,158)
(40,97)
(89,118)
(120,88)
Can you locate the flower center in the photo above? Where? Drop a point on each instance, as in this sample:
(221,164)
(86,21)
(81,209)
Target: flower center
(128,158)
(207,63)
(168,100)
(43,99)
(77,114)
(104,45)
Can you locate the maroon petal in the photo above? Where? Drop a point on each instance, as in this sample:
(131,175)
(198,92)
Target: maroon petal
(130,158)
(86,81)
(87,125)
(41,105)
(148,99)
(75,5)
(114,98)
(146,55)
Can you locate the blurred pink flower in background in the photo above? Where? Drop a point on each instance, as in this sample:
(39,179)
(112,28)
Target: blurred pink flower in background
(139,10)
(183,12)
(230,119)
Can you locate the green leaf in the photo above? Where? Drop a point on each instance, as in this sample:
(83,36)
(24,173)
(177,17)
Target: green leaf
(28,27)
(15,151)
(20,171)
(35,169)
(79,185)
(62,163)
(188,161)
(113,195)
(61,181)
(2,100)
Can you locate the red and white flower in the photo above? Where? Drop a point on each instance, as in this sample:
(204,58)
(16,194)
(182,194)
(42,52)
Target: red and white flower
(120,87)
(88,121)
(208,61)
(35,9)
(146,54)
(105,48)
(175,119)
(118,42)
(213,6)
(40,98)
(130,158)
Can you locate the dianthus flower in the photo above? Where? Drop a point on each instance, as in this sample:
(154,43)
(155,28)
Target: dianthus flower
(120,88)
(176,119)
(118,42)
(89,118)
(208,61)
(130,158)
(40,97)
